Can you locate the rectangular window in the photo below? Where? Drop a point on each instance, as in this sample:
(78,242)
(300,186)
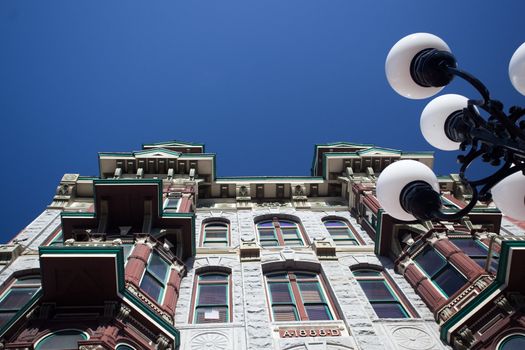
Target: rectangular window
(279,233)
(17,296)
(212,302)
(155,276)
(297,296)
(171,204)
(440,271)
(380,294)
(215,234)
(477,251)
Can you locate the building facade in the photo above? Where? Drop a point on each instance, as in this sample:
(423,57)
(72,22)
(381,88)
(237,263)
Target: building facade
(157,252)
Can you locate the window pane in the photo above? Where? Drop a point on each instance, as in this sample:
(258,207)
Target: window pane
(265,224)
(269,243)
(450,280)
(284,313)
(514,342)
(366,273)
(151,286)
(5,317)
(124,347)
(61,340)
(215,314)
(216,234)
(470,246)
(212,294)
(334,223)
(377,290)
(389,310)
(277,276)
(318,312)
(172,203)
(430,261)
(305,275)
(16,298)
(339,233)
(28,280)
(213,277)
(217,225)
(289,233)
(158,267)
(286,224)
(280,293)
(310,292)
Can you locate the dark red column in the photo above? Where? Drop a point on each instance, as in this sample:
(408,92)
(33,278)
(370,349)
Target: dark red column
(137,262)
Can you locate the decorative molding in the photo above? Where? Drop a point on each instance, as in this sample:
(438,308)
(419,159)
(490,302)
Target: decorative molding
(412,338)
(146,300)
(210,341)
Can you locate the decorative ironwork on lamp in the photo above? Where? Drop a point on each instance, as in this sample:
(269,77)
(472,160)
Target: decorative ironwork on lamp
(419,66)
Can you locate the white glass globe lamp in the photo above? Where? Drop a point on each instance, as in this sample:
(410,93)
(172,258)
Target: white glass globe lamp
(434,117)
(399,59)
(509,196)
(394,178)
(517,69)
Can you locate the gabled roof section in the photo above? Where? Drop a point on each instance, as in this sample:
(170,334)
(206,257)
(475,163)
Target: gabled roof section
(157,152)
(174,145)
(379,151)
(319,149)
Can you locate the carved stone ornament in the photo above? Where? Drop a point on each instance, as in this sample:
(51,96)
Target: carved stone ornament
(412,338)
(92,347)
(210,341)
(162,343)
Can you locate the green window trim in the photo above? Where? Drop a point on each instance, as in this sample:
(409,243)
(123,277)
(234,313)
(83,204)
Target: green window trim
(304,292)
(370,276)
(278,232)
(46,338)
(212,308)
(151,275)
(216,234)
(444,267)
(340,232)
(16,296)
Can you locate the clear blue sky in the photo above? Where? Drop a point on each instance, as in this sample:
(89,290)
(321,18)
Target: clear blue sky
(259,82)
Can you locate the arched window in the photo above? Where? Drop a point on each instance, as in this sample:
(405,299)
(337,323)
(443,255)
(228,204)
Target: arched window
(17,295)
(440,271)
(212,298)
(215,234)
(297,296)
(278,232)
(381,293)
(155,277)
(63,339)
(124,347)
(340,232)
(513,342)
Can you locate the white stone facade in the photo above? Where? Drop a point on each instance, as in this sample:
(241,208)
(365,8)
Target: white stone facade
(251,327)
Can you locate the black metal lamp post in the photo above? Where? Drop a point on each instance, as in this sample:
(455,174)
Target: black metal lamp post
(419,66)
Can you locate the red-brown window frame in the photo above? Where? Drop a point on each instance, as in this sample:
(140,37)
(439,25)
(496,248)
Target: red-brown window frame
(195,289)
(277,227)
(210,221)
(296,293)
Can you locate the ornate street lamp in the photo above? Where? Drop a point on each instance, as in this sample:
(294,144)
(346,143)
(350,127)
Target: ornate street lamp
(419,66)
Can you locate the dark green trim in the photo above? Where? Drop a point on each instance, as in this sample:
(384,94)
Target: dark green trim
(379,222)
(72,214)
(192,144)
(20,313)
(119,251)
(499,282)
